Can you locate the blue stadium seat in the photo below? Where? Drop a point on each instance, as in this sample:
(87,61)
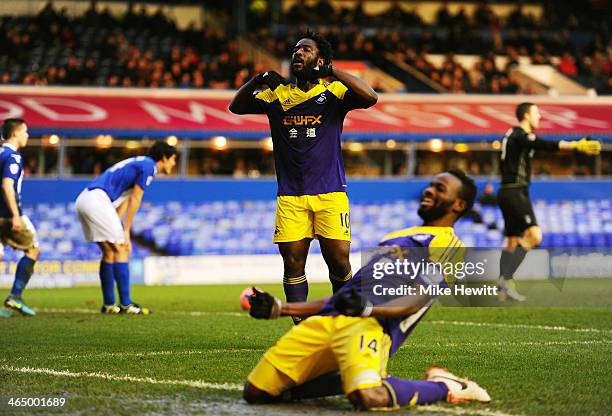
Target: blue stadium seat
(245,227)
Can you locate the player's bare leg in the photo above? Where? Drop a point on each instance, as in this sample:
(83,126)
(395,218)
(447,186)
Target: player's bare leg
(253,395)
(371,399)
(295,284)
(532,237)
(514,252)
(336,254)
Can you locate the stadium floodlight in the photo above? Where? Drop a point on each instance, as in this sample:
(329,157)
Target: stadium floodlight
(132,144)
(436,145)
(104,140)
(461,148)
(219,142)
(355,147)
(268,144)
(391,144)
(172,140)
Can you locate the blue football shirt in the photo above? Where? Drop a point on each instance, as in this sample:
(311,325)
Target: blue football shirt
(119,180)
(11,166)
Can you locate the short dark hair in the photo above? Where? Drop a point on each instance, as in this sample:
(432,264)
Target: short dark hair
(325,48)
(9,126)
(160,149)
(468,189)
(522,109)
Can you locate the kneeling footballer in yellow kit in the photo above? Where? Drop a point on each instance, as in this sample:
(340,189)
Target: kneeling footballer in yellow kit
(345,343)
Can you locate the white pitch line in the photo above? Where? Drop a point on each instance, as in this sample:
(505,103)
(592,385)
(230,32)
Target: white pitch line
(155,353)
(150,380)
(506,344)
(181,313)
(437,322)
(522,326)
(214,386)
(462,411)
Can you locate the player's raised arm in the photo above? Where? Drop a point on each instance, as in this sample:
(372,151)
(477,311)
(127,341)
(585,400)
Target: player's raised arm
(528,115)
(244,102)
(364,94)
(585,145)
(244,98)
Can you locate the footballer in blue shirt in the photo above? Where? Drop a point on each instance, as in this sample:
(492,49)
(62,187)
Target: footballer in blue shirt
(111,198)
(16,229)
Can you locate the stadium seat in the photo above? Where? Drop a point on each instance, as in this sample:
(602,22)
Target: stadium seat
(245,227)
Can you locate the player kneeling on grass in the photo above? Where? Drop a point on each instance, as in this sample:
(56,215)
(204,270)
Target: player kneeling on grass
(16,229)
(344,344)
(102,206)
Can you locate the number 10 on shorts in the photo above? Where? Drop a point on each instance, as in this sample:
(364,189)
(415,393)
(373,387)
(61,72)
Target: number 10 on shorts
(345,222)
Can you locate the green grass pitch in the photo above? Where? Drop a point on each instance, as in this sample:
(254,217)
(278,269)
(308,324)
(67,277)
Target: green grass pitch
(193,354)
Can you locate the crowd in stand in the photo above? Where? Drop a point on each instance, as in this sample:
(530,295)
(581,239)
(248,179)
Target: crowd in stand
(98,49)
(583,42)
(146,50)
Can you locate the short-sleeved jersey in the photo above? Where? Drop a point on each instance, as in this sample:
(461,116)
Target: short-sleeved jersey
(306,129)
(118,181)
(518,148)
(11,166)
(429,244)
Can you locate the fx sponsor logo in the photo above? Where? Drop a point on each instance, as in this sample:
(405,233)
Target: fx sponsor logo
(302,120)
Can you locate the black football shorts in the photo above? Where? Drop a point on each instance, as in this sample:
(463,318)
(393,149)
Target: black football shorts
(515,205)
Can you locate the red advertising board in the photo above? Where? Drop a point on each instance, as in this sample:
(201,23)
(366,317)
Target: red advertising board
(195,114)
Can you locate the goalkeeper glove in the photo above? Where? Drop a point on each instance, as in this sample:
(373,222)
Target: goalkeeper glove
(351,303)
(587,146)
(270,78)
(322,71)
(264,305)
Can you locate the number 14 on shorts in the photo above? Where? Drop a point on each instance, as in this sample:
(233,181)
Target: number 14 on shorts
(372,344)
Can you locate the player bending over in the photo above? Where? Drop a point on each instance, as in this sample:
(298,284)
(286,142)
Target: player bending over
(521,229)
(306,121)
(16,229)
(344,346)
(112,197)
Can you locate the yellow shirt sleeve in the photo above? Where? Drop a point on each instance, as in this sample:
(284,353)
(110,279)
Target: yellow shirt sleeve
(266,95)
(447,248)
